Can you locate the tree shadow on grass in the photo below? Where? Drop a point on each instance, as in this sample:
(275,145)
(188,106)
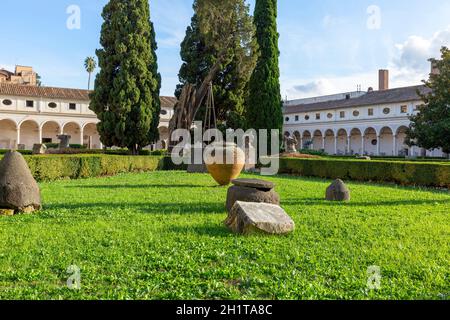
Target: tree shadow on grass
(139,186)
(322,202)
(386,185)
(146,208)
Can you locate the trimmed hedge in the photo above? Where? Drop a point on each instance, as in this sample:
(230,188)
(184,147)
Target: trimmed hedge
(24,152)
(53,167)
(404,173)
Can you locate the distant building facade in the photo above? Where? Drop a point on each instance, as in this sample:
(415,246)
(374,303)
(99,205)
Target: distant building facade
(357,123)
(22,75)
(31,114)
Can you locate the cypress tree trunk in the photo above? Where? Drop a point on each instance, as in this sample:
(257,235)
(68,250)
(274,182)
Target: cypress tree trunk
(126,94)
(265,105)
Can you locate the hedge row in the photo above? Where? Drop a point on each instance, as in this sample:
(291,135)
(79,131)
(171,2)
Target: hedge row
(404,173)
(53,167)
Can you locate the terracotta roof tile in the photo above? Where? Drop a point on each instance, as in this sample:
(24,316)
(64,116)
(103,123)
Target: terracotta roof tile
(60,93)
(405,94)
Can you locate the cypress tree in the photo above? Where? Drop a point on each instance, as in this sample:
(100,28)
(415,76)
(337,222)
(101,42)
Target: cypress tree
(264,109)
(230,83)
(126,94)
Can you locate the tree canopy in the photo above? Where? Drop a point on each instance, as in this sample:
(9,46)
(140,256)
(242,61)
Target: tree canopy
(430,127)
(199,54)
(264,103)
(126,94)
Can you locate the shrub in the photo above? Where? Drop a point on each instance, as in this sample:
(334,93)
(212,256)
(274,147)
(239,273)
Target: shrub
(313,152)
(168,165)
(77,146)
(53,167)
(52,145)
(24,152)
(405,173)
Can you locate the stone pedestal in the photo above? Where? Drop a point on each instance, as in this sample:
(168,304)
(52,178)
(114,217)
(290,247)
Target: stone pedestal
(64,141)
(251,190)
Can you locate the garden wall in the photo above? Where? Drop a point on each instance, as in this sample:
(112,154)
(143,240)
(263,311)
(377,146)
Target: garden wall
(404,173)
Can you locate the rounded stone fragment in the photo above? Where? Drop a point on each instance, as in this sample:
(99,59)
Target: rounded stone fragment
(18,189)
(337,191)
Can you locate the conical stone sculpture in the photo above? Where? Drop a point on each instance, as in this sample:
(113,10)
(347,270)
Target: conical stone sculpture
(338,191)
(19,192)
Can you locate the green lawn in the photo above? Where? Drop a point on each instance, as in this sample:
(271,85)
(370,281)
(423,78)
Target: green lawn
(160,236)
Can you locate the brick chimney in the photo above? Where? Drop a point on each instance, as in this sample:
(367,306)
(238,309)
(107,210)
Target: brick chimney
(383,80)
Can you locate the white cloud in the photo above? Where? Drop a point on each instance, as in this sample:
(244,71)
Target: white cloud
(408,66)
(171,19)
(411,59)
(302,88)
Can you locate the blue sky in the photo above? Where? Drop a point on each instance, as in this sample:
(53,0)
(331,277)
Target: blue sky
(327,46)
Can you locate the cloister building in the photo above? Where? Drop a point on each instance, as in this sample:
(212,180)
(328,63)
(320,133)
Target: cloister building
(31,114)
(364,123)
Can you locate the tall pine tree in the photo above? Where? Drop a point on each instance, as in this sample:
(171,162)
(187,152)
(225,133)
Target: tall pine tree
(264,109)
(126,94)
(230,83)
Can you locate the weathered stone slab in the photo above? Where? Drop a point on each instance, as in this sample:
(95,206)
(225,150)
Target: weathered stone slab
(337,191)
(250,217)
(254,183)
(39,149)
(18,189)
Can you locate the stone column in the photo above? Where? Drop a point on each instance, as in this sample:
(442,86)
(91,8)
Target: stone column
(335,145)
(300,143)
(362,144)
(378,145)
(394,144)
(349,142)
(18,137)
(81,136)
(323,143)
(40,134)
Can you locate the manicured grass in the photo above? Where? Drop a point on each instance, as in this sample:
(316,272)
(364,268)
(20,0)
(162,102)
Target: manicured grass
(160,236)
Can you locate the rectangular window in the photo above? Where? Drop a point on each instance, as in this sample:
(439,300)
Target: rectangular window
(370,112)
(72,106)
(296,118)
(342,114)
(403,109)
(317,116)
(30,104)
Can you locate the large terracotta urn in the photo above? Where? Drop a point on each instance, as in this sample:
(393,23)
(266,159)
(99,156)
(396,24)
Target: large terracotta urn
(224,161)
